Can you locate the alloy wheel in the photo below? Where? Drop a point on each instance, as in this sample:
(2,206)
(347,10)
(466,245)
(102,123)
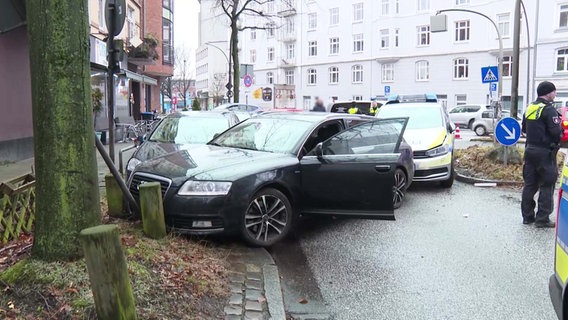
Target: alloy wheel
(267,219)
(399,188)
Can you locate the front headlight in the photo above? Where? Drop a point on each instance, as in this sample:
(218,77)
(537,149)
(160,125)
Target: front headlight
(204,188)
(132,164)
(439,151)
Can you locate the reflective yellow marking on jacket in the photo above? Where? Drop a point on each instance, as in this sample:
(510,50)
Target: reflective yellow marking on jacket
(534,110)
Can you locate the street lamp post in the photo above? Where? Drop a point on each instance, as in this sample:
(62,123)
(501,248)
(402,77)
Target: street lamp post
(229,85)
(500,62)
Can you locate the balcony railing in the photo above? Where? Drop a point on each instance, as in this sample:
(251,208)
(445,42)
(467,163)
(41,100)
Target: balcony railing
(167,54)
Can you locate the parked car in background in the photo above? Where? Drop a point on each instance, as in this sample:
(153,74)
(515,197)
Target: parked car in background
(563,111)
(430,133)
(181,130)
(255,178)
(239,107)
(558,281)
(484,123)
(465,115)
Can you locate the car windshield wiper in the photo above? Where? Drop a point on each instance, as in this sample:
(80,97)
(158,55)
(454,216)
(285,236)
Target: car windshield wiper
(215,144)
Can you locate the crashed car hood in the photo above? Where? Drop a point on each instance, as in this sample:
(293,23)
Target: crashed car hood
(209,162)
(425,139)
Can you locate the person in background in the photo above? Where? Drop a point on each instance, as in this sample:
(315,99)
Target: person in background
(374,108)
(541,124)
(319,107)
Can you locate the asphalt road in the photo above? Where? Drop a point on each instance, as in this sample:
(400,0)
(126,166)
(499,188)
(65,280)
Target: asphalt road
(453,254)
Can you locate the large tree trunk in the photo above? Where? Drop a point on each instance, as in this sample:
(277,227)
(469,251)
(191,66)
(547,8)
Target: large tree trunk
(67,194)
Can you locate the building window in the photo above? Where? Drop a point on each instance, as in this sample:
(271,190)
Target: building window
(333,75)
(269,77)
(385,7)
(253,56)
(423,5)
(357,71)
(507,66)
(384,34)
(333,46)
(167,42)
(102,24)
(312,21)
(357,98)
(312,77)
(270,55)
(504,24)
(291,51)
(333,16)
(461,99)
(461,68)
(290,26)
(290,77)
(312,48)
(459,2)
(396,6)
(562,60)
(387,72)
(270,30)
(253,34)
(270,6)
(422,70)
(396,32)
(358,42)
(563,17)
(167,4)
(462,30)
(358,12)
(423,36)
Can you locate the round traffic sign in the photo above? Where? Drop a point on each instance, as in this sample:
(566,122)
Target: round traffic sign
(116,15)
(247,80)
(508,131)
(229,94)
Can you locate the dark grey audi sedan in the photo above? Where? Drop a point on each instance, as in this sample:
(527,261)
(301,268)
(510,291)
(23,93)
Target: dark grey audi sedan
(257,177)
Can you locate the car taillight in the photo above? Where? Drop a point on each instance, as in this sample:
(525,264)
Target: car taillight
(565,123)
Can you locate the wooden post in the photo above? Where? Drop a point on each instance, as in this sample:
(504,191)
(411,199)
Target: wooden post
(114,197)
(108,273)
(152,210)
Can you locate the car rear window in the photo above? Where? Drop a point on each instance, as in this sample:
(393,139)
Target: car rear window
(422,117)
(343,107)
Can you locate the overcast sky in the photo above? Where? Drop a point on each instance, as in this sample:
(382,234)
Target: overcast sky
(185,27)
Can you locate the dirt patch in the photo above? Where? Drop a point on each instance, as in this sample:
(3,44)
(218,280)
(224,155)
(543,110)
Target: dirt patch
(475,161)
(172,278)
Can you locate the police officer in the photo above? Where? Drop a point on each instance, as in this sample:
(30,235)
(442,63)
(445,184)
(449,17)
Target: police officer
(541,124)
(353,109)
(374,108)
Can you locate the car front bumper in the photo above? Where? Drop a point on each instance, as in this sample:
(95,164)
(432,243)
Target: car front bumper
(555,290)
(433,168)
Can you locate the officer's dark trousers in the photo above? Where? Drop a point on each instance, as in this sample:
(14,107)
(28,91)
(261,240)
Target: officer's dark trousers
(540,172)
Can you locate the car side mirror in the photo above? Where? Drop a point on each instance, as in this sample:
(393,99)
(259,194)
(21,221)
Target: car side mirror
(319,151)
(451,127)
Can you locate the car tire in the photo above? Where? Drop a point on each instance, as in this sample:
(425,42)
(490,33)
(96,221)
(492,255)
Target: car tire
(450,181)
(480,130)
(267,219)
(470,124)
(399,188)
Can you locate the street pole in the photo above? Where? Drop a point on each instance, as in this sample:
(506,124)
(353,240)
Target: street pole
(515,73)
(110,88)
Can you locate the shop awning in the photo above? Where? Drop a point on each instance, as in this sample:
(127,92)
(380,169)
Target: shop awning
(141,78)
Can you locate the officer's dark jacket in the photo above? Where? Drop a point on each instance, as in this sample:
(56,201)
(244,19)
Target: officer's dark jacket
(541,123)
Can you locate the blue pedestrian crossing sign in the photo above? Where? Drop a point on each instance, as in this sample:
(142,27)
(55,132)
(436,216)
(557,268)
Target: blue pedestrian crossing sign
(508,131)
(489,74)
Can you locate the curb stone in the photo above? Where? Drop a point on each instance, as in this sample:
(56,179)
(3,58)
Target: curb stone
(254,282)
(472,180)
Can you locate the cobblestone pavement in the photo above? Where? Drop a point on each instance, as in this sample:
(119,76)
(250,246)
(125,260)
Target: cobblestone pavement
(255,286)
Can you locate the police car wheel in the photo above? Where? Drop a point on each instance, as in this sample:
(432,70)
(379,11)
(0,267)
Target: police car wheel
(399,188)
(268,218)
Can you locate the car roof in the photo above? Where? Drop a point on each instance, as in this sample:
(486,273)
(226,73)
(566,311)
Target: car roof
(412,104)
(309,116)
(201,114)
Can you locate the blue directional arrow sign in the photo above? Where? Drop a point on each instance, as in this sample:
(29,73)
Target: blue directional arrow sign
(489,74)
(508,131)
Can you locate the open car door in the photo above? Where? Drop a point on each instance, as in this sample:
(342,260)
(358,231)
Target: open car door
(352,173)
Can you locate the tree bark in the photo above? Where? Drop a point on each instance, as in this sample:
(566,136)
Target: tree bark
(108,273)
(152,209)
(235,53)
(67,195)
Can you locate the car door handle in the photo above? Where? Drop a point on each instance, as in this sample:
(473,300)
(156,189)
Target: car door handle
(382,168)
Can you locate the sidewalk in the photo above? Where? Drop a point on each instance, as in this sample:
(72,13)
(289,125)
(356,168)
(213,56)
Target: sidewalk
(254,280)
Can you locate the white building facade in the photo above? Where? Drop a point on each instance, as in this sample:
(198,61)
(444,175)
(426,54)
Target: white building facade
(361,49)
